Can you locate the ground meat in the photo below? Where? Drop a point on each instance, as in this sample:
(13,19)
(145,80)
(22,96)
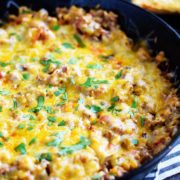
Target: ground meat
(94,23)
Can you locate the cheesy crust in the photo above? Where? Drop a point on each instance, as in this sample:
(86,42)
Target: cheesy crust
(76,100)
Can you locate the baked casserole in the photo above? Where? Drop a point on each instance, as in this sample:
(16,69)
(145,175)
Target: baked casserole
(78,100)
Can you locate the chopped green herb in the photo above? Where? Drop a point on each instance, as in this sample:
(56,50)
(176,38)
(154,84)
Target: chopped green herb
(65,96)
(15,104)
(83,143)
(142,119)
(56,27)
(32,141)
(31,126)
(115,99)
(113,109)
(118,75)
(79,40)
(4,92)
(93,82)
(3,64)
(106,57)
(0,108)
(1,144)
(21,126)
(21,148)
(1,134)
(18,37)
(134,103)
(46,156)
(94,108)
(62,123)
(94,122)
(52,119)
(48,109)
(59,138)
(59,91)
(57,50)
(67,45)
(135,141)
(94,66)
(50,60)
(26,76)
(29,116)
(40,103)
(35,59)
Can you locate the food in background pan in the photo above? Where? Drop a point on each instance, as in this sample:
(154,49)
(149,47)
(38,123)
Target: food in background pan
(77,99)
(159,6)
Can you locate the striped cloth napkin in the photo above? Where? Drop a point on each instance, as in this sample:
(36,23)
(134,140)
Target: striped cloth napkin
(168,166)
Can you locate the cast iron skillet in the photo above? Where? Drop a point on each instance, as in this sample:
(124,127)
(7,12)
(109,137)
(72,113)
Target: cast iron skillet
(138,24)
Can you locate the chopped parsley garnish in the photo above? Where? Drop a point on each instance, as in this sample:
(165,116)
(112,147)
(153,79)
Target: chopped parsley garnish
(58,139)
(142,121)
(79,40)
(3,64)
(21,148)
(113,109)
(26,76)
(56,27)
(135,141)
(115,99)
(21,126)
(0,108)
(30,127)
(52,119)
(4,92)
(48,109)
(118,75)
(57,50)
(40,103)
(1,134)
(93,82)
(15,104)
(94,108)
(106,57)
(1,144)
(134,103)
(46,156)
(83,143)
(67,45)
(18,37)
(50,60)
(60,91)
(35,59)
(94,66)
(32,141)
(62,123)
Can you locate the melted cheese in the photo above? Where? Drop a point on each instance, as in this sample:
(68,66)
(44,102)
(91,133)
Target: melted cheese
(56,94)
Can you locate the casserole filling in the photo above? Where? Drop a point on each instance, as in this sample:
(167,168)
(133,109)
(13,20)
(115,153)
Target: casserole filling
(77,99)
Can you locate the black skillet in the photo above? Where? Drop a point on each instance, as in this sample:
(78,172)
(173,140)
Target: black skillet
(138,24)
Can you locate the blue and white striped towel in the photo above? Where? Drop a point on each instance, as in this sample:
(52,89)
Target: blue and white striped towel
(169,165)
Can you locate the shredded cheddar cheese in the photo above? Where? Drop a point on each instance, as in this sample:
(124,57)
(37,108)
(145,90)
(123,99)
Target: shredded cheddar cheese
(76,101)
